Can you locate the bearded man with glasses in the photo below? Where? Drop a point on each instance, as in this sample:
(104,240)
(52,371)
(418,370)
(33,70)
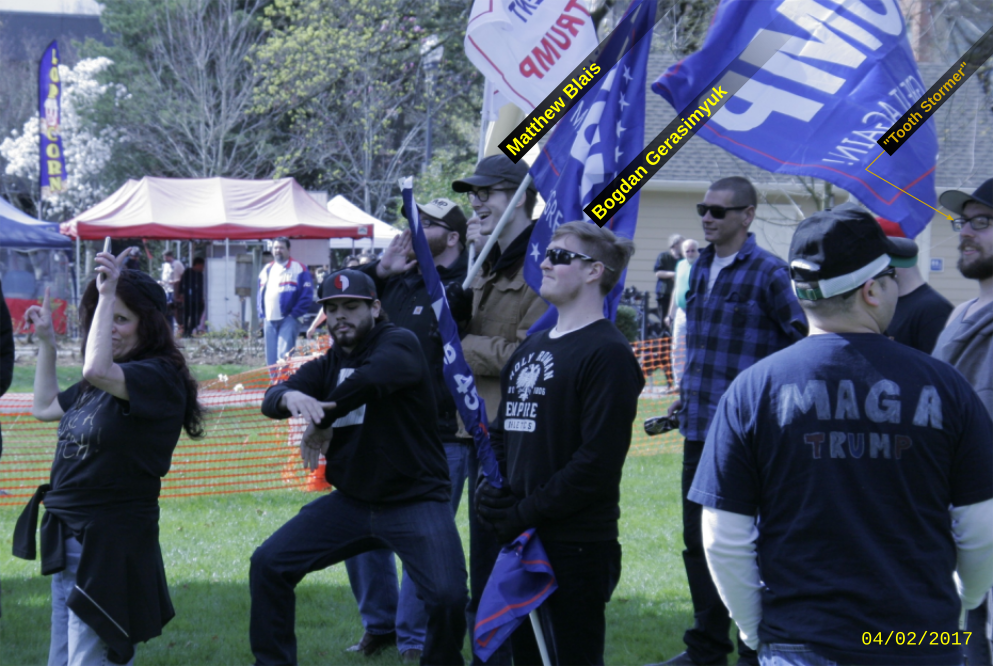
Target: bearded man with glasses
(740,308)
(503,309)
(967,343)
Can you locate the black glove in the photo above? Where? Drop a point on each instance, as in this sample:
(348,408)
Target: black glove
(497,510)
(459,302)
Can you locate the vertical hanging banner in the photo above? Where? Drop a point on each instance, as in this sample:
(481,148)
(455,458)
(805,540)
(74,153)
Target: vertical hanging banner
(53,165)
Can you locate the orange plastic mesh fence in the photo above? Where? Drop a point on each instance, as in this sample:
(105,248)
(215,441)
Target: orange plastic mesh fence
(243,451)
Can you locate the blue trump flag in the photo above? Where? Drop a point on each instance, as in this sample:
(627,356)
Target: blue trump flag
(816,108)
(522,577)
(591,145)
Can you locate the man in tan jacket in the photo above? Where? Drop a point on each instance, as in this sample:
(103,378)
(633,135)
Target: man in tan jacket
(503,309)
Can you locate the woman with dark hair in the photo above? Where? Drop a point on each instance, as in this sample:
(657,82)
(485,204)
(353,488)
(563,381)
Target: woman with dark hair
(117,431)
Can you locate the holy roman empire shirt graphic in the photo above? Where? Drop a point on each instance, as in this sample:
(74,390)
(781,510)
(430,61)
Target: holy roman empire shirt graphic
(850,448)
(564,428)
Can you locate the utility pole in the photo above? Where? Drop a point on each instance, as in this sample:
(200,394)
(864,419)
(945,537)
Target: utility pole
(431,55)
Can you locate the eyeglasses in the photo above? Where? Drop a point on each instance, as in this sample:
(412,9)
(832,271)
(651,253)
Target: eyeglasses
(483,193)
(978,223)
(716,212)
(560,257)
(429,222)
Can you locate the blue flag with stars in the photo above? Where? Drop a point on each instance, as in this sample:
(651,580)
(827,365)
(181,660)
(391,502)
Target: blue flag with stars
(591,145)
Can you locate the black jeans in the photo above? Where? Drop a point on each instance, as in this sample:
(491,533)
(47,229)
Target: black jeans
(333,528)
(483,551)
(572,617)
(707,641)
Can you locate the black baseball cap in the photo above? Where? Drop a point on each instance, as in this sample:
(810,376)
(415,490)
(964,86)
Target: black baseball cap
(347,284)
(955,201)
(837,250)
(492,170)
(446,211)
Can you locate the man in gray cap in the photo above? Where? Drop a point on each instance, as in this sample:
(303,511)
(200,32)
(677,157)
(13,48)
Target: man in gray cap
(967,343)
(370,408)
(504,307)
(846,478)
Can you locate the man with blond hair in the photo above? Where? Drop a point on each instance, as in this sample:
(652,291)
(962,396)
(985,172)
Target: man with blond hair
(568,398)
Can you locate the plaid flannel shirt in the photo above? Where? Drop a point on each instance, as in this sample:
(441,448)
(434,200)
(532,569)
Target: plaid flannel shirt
(752,312)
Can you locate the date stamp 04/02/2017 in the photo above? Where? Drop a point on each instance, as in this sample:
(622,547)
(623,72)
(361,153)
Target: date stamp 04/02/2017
(916,638)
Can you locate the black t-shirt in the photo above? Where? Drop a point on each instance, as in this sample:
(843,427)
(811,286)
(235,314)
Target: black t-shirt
(851,449)
(564,428)
(385,446)
(919,318)
(665,262)
(106,442)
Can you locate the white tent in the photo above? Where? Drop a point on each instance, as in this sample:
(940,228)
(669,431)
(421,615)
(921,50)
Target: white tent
(382,233)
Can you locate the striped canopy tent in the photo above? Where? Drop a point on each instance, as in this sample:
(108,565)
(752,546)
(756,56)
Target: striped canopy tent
(211,209)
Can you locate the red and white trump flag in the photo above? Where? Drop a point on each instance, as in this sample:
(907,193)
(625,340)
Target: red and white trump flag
(527,47)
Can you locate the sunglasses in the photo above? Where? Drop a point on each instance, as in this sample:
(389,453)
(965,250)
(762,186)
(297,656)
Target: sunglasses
(977,223)
(716,212)
(483,193)
(889,272)
(559,257)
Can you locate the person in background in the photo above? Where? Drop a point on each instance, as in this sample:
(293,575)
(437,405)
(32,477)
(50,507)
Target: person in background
(846,481)
(504,307)
(967,343)
(286,292)
(191,287)
(665,273)
(172,273)
(370,408)
(740,308)
(676,319)
(921,312)
(118,428)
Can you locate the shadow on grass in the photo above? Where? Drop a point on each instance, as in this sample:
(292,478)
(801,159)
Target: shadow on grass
(211,626)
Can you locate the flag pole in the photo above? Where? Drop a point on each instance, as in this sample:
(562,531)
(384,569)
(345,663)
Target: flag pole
(491,241)
(539,636)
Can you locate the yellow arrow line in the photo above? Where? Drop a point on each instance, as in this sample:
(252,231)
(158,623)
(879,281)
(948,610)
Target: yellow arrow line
(903,190)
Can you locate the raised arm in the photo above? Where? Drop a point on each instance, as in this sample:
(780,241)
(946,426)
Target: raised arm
(99,368)
(46,383)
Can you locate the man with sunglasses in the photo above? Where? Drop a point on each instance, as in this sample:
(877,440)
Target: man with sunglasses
(504,307)
(967,343)
(569,397)
(740,308)
(392,615)
(847,478)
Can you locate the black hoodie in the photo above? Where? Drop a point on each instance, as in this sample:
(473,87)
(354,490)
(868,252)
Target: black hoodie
(385,446)
(407,302)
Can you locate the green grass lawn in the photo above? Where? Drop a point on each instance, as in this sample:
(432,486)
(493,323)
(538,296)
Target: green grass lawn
(206,543)
(70,374)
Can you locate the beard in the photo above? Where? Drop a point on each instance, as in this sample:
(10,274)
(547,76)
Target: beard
(351,337)
(979,268)
(436,244)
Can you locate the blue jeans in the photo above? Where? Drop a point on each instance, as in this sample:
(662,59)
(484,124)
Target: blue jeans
(791,654)
(74,643)
(280,338)
(334,528)
(384,606)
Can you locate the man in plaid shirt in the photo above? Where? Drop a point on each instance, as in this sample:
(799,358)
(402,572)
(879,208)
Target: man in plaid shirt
(740,308)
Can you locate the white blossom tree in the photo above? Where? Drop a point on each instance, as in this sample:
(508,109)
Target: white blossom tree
(88,149)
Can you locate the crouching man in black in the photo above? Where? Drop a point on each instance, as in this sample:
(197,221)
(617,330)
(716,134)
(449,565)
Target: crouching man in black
(569,397)
(372,412)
